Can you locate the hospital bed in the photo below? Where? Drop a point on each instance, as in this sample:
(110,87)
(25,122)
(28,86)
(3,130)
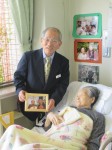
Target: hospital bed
(103,105)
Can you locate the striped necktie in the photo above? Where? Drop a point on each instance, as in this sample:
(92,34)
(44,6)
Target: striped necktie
(47,67)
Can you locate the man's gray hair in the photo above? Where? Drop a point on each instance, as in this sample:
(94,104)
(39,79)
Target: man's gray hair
(53,29)
(93,92)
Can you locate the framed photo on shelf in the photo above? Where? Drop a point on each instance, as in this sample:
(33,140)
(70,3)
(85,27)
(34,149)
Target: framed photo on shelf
(88,50)
(36,102)
(87,25)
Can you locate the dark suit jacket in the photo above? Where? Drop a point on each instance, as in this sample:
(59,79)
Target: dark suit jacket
(29,75)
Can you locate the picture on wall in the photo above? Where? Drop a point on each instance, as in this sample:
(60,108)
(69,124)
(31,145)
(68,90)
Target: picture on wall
(88,73)
(36,102)
(88,50)
(87,25)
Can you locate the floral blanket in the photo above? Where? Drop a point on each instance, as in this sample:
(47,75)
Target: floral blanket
(72,134)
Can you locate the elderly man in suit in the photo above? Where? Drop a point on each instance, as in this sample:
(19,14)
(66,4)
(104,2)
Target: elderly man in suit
(30,74)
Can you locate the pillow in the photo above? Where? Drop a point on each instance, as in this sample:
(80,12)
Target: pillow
(107,108)
(104,103)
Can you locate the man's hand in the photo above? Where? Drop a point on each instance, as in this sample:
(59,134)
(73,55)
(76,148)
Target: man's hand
(22,95)
(51,104)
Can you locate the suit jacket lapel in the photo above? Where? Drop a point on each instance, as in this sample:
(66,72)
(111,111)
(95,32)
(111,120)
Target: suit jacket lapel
(41,71)
(40,68)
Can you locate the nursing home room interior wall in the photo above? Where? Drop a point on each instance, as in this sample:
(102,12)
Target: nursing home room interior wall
(53,13)
(60,13)
(85,7)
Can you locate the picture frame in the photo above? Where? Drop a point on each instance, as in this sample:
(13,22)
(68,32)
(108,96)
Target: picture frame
(88,73)
(88,50)
(7,119)
(87,25)
(36,102)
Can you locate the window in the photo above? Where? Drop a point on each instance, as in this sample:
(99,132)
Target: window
(9,46)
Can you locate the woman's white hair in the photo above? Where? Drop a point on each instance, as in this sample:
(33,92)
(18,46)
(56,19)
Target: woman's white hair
(92,92)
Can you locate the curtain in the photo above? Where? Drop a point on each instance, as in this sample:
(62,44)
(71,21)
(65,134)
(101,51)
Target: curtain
(22,13)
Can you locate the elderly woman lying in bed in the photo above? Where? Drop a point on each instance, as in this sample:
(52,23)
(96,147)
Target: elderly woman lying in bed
(78,127)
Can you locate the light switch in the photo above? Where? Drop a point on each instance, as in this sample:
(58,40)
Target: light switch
(107,52)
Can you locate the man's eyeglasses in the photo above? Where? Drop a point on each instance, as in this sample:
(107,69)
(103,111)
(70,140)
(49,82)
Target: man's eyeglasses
(54,41)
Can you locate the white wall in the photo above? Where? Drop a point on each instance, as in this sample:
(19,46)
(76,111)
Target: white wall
(59,13)
(51,13)
(96,6)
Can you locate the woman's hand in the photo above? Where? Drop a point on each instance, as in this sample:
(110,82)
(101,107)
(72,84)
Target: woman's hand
(54,118)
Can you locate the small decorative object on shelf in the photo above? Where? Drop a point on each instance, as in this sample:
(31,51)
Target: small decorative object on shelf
(7,119)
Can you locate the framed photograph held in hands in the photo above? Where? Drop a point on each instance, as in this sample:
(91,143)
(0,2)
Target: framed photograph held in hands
(36,102)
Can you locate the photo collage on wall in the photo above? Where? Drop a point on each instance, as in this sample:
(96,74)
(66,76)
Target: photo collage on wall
(87,32)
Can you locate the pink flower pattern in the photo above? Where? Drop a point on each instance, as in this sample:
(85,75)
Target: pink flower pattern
(65,137)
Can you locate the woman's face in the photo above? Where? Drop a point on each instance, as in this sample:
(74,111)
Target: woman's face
(40,101)
(82,100)
(83,50)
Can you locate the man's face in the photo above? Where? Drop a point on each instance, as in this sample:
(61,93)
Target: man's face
(33,102)
(83,50)
(50,42)
(40,101)
(90,47)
